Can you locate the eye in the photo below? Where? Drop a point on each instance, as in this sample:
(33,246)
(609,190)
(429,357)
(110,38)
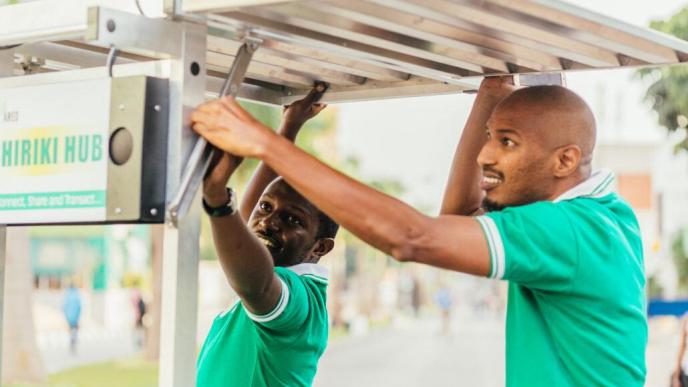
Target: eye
(294,220)
(507,142)
(265,206)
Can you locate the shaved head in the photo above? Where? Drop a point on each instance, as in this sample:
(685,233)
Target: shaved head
(540,141)
(559,117)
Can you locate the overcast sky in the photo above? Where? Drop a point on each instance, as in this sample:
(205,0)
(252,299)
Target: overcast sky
(413,139)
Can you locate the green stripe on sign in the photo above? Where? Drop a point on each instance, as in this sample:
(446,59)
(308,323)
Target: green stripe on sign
(52,200)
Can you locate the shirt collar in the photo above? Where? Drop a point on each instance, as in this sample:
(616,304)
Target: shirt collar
(599,184)
(311,269)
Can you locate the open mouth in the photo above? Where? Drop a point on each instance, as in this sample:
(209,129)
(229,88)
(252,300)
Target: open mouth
(269,242)
(490,181)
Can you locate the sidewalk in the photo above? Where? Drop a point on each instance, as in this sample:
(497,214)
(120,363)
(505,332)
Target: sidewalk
(94,346)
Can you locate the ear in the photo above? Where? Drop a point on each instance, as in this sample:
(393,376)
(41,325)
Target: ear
(322,246)
(568,159)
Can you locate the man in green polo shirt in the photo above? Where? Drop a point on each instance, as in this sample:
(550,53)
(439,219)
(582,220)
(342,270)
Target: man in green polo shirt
(277,332)
(570,247)
(574,262)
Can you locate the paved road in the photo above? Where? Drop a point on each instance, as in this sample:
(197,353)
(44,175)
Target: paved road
(416,354)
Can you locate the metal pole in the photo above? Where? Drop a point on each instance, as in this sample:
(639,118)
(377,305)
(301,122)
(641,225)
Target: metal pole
(6,70)
(181,241)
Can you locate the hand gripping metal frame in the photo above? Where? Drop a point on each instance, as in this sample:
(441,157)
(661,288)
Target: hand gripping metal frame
(202,152)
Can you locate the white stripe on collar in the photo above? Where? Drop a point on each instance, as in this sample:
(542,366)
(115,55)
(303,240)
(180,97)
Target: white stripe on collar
(312,269)
(599,184)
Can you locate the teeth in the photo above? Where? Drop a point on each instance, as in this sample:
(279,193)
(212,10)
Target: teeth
(266,241)
(491,180)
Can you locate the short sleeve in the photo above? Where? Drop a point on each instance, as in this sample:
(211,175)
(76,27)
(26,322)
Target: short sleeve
(532,245)
(291,309)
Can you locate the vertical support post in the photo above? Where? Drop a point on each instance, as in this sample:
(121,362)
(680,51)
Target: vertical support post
(181,241)
(6,70)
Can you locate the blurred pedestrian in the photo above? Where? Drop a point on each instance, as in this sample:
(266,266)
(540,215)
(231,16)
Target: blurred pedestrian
(72,312)
(679,377)
(139,313)
(445,301)
(415,297)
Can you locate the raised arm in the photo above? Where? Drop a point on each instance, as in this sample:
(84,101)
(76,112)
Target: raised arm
(451,242)
(246,262)
(462,195)
(293,118)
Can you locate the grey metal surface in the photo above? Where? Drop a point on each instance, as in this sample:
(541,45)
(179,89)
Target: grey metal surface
(365,49)
(6,70)
(181,241)
(421,47)
(127,111)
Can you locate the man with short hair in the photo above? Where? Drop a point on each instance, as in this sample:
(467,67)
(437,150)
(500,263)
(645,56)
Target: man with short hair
(569,247)
(276,334)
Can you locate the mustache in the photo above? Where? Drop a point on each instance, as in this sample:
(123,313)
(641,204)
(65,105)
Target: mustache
(493,172)
(268,234)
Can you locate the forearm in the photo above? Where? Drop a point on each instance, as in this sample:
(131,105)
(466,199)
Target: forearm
(374,217)
(462,195)
(380,220)
(247,264)
(264,175)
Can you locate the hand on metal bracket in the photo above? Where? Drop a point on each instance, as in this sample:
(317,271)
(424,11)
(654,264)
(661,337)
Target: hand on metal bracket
(202,152)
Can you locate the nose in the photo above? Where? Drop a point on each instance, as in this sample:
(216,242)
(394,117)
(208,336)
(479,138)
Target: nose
(271,222)
(486,155)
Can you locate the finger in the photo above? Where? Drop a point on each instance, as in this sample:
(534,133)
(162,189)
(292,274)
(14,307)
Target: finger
(317,108)
(211,106)
(229,103)
(199,128)
(234,108)
(202,117)
(316,93)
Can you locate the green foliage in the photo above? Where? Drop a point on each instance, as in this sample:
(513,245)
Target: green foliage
(654,289)
(679,250)
(668,92)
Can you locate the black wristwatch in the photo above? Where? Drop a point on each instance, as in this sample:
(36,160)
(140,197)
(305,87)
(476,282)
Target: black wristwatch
(229,208)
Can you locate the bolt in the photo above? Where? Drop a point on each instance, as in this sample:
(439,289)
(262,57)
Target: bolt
(157,108)
(154,211)
(111,25)
(118,210)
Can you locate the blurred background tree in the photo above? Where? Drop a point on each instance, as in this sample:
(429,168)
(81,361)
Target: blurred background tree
(668,90)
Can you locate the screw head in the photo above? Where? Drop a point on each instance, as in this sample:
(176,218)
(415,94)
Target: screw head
(118,210)
(153,211)
(157,108)
(121,107)
(111,25)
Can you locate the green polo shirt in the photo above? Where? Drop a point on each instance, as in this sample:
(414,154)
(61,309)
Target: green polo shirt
(576,308)
(281,348)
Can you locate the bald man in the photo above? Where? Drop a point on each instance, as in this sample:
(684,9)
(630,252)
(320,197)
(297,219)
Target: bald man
(569,247)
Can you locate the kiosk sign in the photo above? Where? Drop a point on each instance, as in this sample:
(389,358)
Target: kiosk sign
(54,152)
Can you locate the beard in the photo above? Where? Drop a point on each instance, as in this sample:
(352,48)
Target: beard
(490,206)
